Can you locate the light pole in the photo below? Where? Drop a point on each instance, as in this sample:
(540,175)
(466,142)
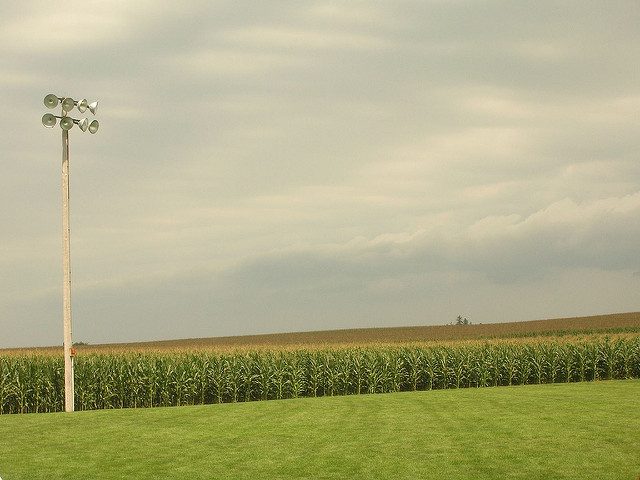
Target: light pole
(66,123)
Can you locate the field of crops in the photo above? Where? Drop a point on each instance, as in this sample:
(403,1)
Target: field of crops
(34,383)
(612,324)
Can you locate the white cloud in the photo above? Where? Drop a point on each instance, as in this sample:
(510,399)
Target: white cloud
(234,62)
(289,39)
(545,50)
(55,29)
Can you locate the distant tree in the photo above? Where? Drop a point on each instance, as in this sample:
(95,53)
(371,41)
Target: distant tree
(460,320)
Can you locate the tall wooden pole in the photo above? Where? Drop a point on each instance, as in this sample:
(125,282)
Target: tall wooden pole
(66,266)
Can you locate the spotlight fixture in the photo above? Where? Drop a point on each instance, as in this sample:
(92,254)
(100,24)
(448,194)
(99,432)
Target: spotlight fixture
(51,101)
(49,120)
(66,123)
(93,106)
(82,105)
(68,104)
(83,124)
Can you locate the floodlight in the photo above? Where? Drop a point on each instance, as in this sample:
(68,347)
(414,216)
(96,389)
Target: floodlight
(51,101)
(66,123)
(82,105)
(83,124)
(49,120)
(93,126)
(93,106)
(68,104)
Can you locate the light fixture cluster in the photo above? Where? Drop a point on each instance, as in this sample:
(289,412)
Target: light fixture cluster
(66,123)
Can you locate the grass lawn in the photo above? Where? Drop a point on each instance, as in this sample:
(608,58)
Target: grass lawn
(568,431)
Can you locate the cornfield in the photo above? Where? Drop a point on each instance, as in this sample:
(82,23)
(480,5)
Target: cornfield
(35,383)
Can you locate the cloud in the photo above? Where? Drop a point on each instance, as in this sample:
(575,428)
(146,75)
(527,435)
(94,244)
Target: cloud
(320,164)
(503,248)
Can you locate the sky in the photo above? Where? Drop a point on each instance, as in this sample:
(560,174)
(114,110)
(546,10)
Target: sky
(290,166)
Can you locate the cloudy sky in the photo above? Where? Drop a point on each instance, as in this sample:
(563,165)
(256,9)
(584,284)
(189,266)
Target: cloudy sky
(287,166)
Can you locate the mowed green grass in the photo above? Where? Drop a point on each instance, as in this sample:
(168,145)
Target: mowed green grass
(562,431)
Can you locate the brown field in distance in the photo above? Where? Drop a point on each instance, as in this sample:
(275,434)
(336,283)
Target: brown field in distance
(612,323)
(426,333)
